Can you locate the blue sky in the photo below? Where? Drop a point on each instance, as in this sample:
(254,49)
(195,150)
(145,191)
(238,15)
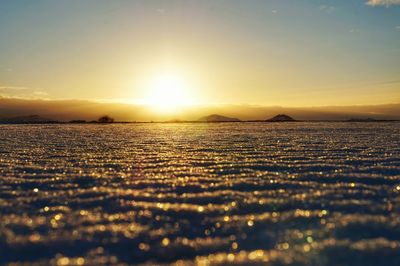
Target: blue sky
(258,52)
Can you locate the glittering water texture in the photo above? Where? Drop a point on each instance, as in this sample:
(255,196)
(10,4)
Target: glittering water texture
(229,193)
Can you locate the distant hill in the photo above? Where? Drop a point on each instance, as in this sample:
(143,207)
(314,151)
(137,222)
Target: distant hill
(218,118)
(67,110)
(281,118)
(30,119)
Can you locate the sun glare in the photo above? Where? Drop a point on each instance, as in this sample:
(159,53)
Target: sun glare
(167,91)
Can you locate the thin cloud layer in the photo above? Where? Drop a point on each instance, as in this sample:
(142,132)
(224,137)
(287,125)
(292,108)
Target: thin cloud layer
(383,2)
(22,92)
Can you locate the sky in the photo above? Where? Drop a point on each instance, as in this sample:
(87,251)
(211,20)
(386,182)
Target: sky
(268,53)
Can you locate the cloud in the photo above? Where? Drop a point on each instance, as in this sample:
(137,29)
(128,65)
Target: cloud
(22,92)
(382,2)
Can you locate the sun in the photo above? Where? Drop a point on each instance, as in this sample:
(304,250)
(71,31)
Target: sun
(168,90)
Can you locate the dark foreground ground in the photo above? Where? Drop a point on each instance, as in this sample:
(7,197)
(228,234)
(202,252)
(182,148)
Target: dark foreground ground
(206,194)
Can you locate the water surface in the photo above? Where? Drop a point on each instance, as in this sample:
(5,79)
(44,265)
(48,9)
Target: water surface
(244,193)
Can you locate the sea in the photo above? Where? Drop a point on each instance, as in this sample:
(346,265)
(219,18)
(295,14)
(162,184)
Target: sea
(295,193)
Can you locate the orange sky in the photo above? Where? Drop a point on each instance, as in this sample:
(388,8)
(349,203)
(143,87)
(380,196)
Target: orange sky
(170,53)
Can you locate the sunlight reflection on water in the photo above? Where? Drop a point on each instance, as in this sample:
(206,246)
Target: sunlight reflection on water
(245,193)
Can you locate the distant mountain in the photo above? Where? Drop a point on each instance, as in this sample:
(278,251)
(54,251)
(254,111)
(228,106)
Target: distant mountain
(218,118)
(30,119)
(281,118)
(67,110)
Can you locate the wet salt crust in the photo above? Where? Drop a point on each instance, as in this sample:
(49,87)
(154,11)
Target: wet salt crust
(206,194)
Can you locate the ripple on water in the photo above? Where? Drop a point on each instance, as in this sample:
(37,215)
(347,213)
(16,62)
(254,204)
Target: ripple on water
(200,194)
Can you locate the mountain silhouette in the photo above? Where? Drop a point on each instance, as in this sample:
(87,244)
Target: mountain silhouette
(29,119)
(105,119)
(67,110)
(281,118)
(218,118)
